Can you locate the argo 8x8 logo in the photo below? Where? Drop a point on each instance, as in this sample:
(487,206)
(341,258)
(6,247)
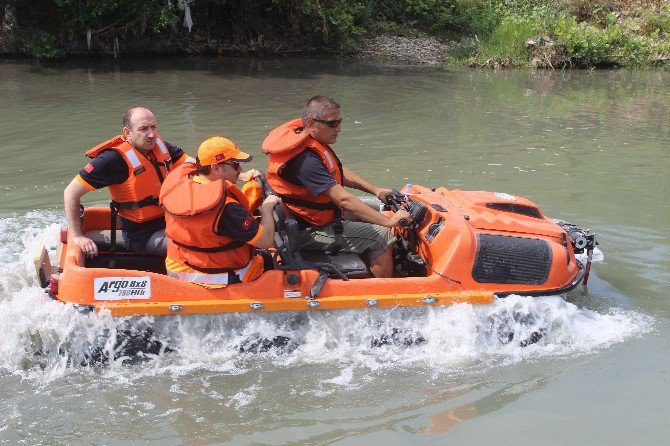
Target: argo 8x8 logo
(122,288)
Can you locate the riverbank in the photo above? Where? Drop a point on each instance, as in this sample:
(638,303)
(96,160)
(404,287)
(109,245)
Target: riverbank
(475,33)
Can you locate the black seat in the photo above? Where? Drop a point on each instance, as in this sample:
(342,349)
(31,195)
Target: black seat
(128,260)
(103,239)
(121,258)
(287,237)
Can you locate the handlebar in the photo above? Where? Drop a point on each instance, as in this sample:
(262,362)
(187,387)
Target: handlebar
(416,209)
(395,201)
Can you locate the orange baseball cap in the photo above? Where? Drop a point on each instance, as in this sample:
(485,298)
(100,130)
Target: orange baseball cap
(218,150)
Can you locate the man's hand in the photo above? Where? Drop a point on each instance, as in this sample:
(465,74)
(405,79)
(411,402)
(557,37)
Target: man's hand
(87,246)
(271,200)
(72,200)
(398,216)
(383,193)
(249,174)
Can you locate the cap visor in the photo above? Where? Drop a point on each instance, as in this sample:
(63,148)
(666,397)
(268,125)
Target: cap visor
(242,158)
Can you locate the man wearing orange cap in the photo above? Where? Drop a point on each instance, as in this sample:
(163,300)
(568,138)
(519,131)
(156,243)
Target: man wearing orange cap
(132,166)
(213,236)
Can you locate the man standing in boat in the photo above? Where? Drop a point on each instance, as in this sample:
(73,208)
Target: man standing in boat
(212,235)
(132,166)
(304,170)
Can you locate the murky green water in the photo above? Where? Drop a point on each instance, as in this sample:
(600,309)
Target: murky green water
(588,147)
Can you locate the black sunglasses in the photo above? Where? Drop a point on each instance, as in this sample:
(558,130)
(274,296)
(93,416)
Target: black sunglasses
(235,165)
(332,124)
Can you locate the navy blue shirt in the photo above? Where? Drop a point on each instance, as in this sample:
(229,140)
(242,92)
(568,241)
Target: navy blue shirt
(307,169)
(237,223)
(110,168)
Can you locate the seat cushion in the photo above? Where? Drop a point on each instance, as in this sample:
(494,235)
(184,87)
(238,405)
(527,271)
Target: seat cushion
(103,239)
(350,264)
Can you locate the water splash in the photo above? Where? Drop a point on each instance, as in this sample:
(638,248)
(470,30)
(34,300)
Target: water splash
(43,340)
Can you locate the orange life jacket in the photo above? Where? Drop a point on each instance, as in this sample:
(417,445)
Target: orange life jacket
(254,193)
(137,197)
(284,143)
(192,212)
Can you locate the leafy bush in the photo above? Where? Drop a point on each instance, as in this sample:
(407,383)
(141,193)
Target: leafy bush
(586,45)
(657,22)
(584,33)
(636,51)
(479,17)
(151,15)
(44,46)
(589,46)
(73,18)
(340,22)
(589,10)
(509,38)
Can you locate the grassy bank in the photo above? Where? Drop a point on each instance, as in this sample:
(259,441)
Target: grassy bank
(488,33)
(574,33)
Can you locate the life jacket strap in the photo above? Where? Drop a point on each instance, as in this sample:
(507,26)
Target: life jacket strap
(232,274)
(213,276)
(338,229)
(148,201)
(329,206)
(112,225)
(228,246)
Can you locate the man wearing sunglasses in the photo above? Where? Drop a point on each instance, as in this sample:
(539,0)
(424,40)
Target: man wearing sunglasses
(213,236)
(307,174)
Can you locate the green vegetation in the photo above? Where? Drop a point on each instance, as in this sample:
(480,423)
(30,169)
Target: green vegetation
(492,33)
(43,46)
(577,33)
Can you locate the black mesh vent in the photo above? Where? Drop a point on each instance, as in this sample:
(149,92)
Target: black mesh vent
(515,208)
(506,259)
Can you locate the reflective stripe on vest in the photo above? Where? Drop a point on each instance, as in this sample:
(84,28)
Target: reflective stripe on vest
(183,272)
(136,197)
(132,158)
(161,145)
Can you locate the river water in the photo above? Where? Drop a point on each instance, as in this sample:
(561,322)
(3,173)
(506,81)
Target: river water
(590,147)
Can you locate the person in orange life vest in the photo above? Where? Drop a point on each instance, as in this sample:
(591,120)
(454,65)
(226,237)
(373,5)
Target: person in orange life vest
(305,172)
(132,166)
(213,236)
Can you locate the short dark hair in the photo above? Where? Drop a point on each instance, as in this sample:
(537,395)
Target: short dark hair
(316,107)
(202,170)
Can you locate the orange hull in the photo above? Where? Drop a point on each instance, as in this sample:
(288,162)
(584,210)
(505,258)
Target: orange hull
(475,245)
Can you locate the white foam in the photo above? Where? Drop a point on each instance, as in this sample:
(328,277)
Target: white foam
(43,340)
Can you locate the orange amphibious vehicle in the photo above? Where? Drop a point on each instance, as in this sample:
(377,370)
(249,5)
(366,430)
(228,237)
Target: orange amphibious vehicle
(460,246)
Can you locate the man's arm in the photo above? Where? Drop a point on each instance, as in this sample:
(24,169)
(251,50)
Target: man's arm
(178,156)
(72,199)
(266,240)
(236,222)
(354,181)
(349,202)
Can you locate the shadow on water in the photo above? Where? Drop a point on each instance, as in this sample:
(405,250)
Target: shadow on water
(447,418)
(287,67)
